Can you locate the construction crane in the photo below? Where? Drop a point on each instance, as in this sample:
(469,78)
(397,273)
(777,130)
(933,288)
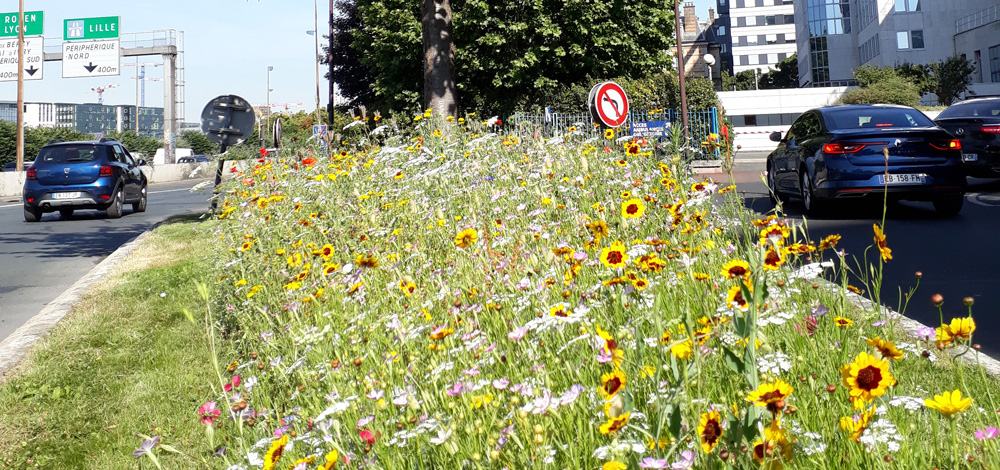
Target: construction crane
(286,105)
(100,91)
(142,77)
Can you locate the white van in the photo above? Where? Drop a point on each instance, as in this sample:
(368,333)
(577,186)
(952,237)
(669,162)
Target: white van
(160,156)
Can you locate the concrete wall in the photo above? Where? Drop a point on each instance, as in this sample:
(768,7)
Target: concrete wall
(798,100)
(12,182)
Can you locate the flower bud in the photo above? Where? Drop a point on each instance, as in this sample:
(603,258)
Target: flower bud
(937,300)
(968,301)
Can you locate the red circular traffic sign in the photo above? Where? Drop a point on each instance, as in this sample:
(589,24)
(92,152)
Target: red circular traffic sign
(610,104)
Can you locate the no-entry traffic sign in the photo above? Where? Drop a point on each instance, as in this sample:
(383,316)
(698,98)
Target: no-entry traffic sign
(609,104)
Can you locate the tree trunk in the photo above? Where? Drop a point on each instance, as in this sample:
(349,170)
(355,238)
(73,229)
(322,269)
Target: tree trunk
(439,58)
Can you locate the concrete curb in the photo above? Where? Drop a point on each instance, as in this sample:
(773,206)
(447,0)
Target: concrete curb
(17,345)
(911,327)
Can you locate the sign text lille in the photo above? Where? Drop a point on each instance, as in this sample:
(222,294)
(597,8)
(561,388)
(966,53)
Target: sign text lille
(104,27)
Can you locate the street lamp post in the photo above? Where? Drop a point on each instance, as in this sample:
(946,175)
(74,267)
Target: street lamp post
(267,114)
(710,61)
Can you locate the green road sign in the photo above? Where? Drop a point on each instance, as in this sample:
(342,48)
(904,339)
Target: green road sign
(32,24)
(90,28)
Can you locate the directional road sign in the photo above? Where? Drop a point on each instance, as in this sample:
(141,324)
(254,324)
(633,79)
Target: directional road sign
(32,24)
(91,58)
(105,27)
(32,58)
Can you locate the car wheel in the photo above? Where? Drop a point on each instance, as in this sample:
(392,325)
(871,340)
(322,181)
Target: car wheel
(32,214)
(950,205)
(66,213)
(140,206)
(114,211)
(813,206)
(772,188)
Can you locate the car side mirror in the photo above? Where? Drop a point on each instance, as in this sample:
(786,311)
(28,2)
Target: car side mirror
(142,162)
(776,137)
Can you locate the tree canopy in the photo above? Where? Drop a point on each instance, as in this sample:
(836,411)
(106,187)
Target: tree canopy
(507,55)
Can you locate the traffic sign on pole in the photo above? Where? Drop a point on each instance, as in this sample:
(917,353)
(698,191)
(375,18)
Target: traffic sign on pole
(104,27)
(32,24)
(91,58)
(609,104)
(33,54)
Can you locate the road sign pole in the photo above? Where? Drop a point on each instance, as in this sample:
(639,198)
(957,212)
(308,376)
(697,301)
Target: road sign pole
(20,85)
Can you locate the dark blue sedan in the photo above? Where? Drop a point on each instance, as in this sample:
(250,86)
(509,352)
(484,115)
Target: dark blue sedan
(70,176)
(846,152)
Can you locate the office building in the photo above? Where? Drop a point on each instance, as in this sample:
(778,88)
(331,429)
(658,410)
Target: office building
(837,36)
(755,34)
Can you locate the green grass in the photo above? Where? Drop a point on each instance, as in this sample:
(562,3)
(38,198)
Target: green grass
(125,361)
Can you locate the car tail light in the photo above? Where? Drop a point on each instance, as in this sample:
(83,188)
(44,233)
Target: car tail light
(106,196)
(994,129)
(843,148)
(953,144)
(31,200)
(106,170)
(32,174)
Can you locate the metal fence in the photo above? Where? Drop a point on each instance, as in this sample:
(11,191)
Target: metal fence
(701,122)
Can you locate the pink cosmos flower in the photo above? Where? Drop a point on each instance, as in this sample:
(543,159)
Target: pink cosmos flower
(987,434)
(518,333)
(501,384)
(541,404)
(686,461)
(208,413)
(455,389)
(650,462)
(571,395)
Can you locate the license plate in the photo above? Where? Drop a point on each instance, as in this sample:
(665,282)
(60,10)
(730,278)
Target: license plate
(970,157)
(902,179)
(65,195)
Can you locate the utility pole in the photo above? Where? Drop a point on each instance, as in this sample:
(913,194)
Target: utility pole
(680,67)
(319,119)
(332,101)
(20,86)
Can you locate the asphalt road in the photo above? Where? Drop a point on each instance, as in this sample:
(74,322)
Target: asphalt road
(958,257)
(38,261)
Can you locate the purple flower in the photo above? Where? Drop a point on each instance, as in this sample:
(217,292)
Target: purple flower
(281,431)
(988,433)
(364,421)
(820,310)
(542,403)
(650,462)
(501,384)
(375,395)
(146,447)
(686,461)
(926,333)
(517,334)
(880,323)
(455,389)
(571,395)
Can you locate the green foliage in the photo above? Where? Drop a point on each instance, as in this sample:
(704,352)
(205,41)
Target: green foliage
(868,75)
(502,50)
(744,80)
(34,140)
(138,144)
(786,75)
(950,78)
(891,90)
(917,74)
(653,92)
(198,143)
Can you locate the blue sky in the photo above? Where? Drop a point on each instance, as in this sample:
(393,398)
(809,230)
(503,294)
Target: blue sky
(228,45)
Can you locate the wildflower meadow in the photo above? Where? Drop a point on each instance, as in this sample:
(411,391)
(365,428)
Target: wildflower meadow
(451,293)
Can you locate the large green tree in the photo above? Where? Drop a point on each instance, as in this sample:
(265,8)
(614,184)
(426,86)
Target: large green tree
(509,54)
(784,75)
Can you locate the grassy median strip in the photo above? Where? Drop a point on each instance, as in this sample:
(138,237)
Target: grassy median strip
(125,362)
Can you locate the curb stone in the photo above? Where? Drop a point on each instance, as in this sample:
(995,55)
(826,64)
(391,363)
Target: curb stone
(911,326)
(16,346)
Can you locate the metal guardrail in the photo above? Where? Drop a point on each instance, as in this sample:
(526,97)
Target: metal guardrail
(977,19)
(701,122)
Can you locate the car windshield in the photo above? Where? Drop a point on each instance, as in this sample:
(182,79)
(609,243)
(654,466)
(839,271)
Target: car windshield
(990,108)
(875,118)
(67,154)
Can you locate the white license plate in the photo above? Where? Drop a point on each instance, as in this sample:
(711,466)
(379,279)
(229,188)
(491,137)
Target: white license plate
(65,195)
(970,157)
(909,178)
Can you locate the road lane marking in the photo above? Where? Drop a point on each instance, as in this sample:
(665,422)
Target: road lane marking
(151,192)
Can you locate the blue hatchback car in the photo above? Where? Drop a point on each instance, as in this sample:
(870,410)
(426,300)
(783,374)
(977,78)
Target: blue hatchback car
(69,176)
(845,152)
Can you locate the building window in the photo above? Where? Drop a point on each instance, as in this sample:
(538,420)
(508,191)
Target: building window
(744,60)
(761,39)
(760,20)
(868,12)
(743,41)
(740,4)
(741,21)
(995,64)
(910,39)
(769,20)
(759,3)
(782,56)
(722,31)
(828,17)
(907,5)
(780,39)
